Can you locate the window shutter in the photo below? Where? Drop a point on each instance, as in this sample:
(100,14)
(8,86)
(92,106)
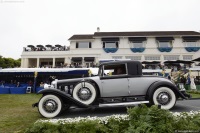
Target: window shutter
(117,45)
(103,44)
(76,44)
(90,45)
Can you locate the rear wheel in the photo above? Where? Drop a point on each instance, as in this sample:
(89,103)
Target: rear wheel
(50,106)
(165,97)
(85,93)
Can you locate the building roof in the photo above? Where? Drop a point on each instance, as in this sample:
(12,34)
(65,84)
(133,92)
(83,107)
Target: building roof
(136,34)
(147,33)
(85,36)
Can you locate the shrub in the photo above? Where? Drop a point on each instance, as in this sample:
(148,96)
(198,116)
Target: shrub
(144,120)
(140,119)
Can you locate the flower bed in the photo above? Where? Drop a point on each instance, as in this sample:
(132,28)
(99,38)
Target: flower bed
(139,119)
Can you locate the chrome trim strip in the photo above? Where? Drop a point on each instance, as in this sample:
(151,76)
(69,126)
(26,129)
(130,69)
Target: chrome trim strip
(122,104)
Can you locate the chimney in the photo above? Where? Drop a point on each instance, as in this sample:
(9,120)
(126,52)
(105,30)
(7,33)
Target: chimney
(98,29)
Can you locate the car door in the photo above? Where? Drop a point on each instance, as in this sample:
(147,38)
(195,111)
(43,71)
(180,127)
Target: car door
(114,85)
(139,85)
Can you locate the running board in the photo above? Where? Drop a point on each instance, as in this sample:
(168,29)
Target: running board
(122,104)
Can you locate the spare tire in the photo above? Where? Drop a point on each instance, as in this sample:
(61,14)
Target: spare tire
(85,93)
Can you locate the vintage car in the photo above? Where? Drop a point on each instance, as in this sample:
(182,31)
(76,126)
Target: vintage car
(118,83)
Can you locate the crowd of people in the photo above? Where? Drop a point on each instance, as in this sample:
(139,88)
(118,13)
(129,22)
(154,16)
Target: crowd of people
(62,48)
(184,79)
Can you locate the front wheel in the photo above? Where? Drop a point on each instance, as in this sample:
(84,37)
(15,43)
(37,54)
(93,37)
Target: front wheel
(165,97)
(50,106)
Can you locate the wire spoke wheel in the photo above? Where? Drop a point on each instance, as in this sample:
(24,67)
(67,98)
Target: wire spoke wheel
(165,97)
(50,106)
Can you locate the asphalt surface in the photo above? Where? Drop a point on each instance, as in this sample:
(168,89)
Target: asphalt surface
(181,106)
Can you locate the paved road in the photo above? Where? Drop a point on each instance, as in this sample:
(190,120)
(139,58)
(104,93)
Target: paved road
(187,106)
(181,106)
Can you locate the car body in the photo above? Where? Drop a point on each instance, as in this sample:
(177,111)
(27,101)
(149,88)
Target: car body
(118,83)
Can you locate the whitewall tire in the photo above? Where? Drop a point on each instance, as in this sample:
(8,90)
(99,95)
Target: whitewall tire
(165,97)
(85,93)
(50,106)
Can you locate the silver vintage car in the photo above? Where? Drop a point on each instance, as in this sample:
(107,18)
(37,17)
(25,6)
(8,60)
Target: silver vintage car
(118,83)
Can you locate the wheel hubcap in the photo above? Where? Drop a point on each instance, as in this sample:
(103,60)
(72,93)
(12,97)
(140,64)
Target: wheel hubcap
(163,98)
(50,106)
(84,94)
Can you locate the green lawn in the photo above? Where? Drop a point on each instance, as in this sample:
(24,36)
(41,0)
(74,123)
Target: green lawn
(195,94)
(16,112)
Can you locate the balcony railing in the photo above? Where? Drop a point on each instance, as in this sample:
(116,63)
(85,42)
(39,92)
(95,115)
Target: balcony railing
(165,49)
(192,49)
(140,50)
(110,50)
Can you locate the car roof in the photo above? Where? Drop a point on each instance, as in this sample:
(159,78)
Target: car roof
(119,62)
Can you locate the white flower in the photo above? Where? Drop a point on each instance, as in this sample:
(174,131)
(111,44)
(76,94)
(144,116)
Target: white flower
(104,120)
(88,118)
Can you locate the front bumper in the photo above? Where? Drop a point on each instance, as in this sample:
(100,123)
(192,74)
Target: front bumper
(35,105)
(186,94)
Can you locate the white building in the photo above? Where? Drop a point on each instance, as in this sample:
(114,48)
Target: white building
(143,46)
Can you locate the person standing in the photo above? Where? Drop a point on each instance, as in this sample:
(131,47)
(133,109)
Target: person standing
(192,84)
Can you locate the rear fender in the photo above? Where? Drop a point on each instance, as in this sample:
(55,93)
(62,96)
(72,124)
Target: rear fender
(65,97)
(158,84)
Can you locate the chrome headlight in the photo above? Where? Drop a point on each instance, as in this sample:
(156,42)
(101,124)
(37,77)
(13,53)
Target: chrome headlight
(53,84)
(47,86)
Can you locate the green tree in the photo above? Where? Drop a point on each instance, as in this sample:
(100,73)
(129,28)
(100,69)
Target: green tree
(9,62)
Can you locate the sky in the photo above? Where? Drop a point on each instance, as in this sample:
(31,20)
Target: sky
(34,22)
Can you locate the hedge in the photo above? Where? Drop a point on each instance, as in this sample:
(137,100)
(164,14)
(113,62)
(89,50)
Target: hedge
(141,119)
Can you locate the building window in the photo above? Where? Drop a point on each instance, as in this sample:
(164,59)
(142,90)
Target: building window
(117,57)
(83,45)
(110,45)
(191,44)
(133,57)
(171,57)
(152,57)
(137,45)
(187,57)
(164,44)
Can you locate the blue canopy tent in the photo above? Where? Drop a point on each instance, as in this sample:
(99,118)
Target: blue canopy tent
(24,75)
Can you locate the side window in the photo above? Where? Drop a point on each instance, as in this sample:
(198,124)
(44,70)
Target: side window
(115,69)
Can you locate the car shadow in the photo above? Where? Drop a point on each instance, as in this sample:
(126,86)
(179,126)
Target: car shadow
(181,106)
(92,112)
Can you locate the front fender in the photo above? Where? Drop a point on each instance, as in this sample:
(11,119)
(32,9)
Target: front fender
(63,96)
(157,84)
